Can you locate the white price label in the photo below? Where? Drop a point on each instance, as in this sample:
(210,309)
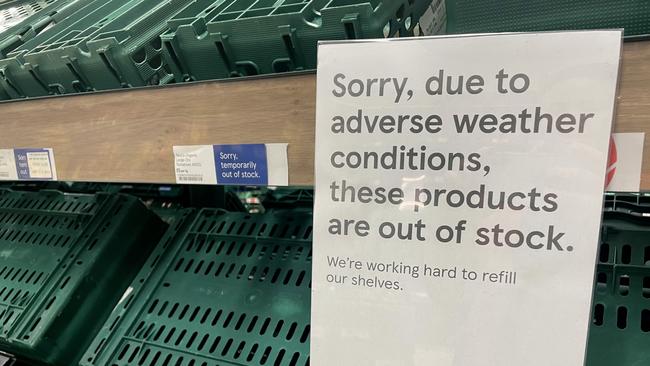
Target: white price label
(39,165)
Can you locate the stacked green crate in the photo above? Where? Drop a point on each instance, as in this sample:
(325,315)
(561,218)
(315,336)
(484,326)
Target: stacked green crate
(13,12)
(19,80)
(472,16)
(220,289)
(112,44)
(44,17)
(21,20)
(213,39)
(66,261)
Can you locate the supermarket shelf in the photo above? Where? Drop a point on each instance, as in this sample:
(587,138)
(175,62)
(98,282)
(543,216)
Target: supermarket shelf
(127,135)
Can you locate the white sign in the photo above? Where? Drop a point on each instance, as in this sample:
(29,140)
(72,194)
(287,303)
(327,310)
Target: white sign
(625,158)
(245,164)
(459,186)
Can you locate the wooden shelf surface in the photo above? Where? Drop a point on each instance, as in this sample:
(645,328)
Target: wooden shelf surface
(127,135)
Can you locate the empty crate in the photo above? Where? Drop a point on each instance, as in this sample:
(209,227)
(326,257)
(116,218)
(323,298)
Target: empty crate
(66,260)
(220,289)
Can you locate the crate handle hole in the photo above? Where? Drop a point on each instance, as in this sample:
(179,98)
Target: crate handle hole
(139,56)
(626,254)
(156,44)
(604,253)
(155,62)
(645,320)
(621,319)
(599,314)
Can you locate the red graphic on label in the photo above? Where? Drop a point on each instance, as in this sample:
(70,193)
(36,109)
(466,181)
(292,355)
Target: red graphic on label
(611,162)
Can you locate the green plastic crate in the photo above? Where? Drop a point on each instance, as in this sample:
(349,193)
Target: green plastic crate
(632,204)
(66,261)
(220,289)
(620,330)
(283,198)
(32,186)
(16,40)
(21,79)
(213,39)
(140,190)
(24,20)
(478,16)
(14,13)
(116,44)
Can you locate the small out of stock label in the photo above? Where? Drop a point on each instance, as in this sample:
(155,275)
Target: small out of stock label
(245,164)
(27,164)
(434,20)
